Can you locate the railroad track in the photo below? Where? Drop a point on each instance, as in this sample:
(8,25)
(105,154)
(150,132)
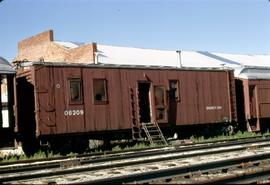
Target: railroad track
(108,153)
(188,171)
(29,165)
(151,159)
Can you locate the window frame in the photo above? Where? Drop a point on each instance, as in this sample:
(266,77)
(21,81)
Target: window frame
(177,92)
(160,107)
(105,85)
(75,102)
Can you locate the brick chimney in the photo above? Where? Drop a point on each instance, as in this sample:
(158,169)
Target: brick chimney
(38,39)
(82,54)
(34,48)
(41,47)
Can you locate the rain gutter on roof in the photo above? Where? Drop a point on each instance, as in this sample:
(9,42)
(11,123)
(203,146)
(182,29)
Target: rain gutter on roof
(117,66)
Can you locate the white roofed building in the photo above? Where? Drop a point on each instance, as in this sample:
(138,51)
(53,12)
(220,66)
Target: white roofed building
(252,72)
(43,47)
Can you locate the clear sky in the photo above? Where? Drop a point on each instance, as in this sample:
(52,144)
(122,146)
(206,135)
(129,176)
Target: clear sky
(229,26)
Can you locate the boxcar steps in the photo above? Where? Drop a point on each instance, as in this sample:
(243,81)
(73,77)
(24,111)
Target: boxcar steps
(154,134)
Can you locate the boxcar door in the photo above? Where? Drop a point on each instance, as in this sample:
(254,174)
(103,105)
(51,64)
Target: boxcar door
(264,100)
(253,101)
(144,95)
(160,104)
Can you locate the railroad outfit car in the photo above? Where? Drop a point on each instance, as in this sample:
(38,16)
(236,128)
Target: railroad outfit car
(66,102)
(252,88)
(89,90)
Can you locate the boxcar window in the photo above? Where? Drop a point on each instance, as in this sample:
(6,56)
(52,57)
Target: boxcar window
(251,92)
(75,91)
(160,107)
(100,91)
(159,95)
(174,90)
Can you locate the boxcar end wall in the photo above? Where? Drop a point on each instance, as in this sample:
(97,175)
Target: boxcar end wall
(255,104)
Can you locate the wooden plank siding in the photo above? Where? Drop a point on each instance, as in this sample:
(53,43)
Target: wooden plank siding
(204,98)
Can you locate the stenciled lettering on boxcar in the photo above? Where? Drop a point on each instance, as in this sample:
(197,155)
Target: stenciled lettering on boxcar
(73,112)
(213,107)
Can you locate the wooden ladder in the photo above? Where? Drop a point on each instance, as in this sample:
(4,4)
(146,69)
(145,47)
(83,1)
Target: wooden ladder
(232,95)
(154,134)
(136,130)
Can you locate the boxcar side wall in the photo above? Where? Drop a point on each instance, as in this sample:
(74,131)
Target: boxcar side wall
(257,102)
(204,97)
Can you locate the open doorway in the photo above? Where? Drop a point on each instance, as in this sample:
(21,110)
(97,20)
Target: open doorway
(26,114)
(144,102)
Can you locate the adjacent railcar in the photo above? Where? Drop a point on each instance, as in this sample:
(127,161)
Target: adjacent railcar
(253,95)
(59,101)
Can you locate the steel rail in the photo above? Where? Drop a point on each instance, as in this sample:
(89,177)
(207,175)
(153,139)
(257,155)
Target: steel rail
(244,178)
(97,154)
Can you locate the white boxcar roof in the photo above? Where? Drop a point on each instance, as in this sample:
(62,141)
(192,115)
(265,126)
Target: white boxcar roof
(107,54)
(139,56)
(249,66)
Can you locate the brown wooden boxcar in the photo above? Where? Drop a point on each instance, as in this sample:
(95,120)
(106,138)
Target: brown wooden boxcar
(63,99)
(253,95)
